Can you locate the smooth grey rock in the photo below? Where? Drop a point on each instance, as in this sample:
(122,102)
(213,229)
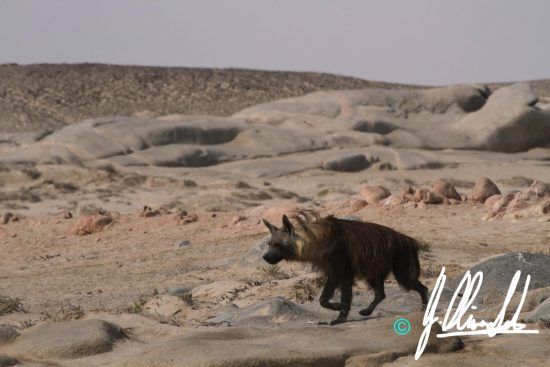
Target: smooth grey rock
(347,163)
(310,345)
(541,313)
(508,122)
(498,272)
(179,291)
(254,255)
(275,311)
(7,334)
(67,340)
(183,244)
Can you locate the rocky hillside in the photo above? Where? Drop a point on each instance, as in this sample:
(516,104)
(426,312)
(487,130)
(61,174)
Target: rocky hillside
(48,96)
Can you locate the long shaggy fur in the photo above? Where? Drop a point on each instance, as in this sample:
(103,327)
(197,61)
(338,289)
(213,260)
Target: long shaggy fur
(372,251)
(346,250)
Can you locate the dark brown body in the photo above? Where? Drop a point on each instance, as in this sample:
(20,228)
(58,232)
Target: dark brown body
(346,250)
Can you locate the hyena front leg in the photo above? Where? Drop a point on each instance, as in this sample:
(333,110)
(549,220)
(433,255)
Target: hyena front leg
(346,286)
(326,295)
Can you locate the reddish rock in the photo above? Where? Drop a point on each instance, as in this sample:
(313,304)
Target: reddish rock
(408,193)
(483,189)
(185,217)
(538,188)
(374,194)
(358,205)
(147,212)
(427,197)
(93,223)
(443,188)
(502,203)
(492,200)
(393,200)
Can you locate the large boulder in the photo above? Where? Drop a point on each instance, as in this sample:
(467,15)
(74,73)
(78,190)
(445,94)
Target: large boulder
(498,272)
(541,313)
(508,122)
(73,339)
(310,345)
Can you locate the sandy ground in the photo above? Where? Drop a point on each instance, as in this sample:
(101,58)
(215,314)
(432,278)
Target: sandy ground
(54,274)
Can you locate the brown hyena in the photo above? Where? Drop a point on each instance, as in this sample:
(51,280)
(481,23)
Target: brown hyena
(345,250)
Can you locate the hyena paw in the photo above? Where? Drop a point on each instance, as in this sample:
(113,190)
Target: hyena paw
(339,320)
(366,312)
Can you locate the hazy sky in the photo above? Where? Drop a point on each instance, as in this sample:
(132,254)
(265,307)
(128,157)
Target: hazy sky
(413,41)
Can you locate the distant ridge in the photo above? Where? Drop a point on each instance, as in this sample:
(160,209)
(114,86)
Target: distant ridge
(47,96)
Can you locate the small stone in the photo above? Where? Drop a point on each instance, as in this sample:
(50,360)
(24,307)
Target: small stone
(394,200)
(539,188)
(89,224)
(165,306)
(483,189)
(147,212)
(374,194)
(358,205)
(443,188)
(237,219)
(183,243)
(6,217)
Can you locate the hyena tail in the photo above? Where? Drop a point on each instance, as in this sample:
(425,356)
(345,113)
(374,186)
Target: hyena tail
(406,266)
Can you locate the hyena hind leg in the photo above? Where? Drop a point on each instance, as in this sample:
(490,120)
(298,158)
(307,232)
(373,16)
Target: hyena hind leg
(379,296)
(423,291)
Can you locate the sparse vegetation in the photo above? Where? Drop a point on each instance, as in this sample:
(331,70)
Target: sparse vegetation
(107,167)
(31,172)
(7,361)
(305,291)
(67,312)
(424,246)
(187,297)
(324,192)
(137,306)
(9,305)
(274,272)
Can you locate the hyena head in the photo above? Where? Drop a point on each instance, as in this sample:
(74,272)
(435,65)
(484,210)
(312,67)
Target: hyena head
(283,242)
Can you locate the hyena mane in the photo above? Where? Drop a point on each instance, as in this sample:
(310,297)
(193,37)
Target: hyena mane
(347,250)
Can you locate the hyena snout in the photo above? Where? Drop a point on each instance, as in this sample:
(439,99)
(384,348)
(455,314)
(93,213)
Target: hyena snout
(272,258)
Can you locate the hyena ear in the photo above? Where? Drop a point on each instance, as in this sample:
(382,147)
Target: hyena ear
(287,226)
(269,226)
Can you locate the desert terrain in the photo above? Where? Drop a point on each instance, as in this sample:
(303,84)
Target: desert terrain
(131,201)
